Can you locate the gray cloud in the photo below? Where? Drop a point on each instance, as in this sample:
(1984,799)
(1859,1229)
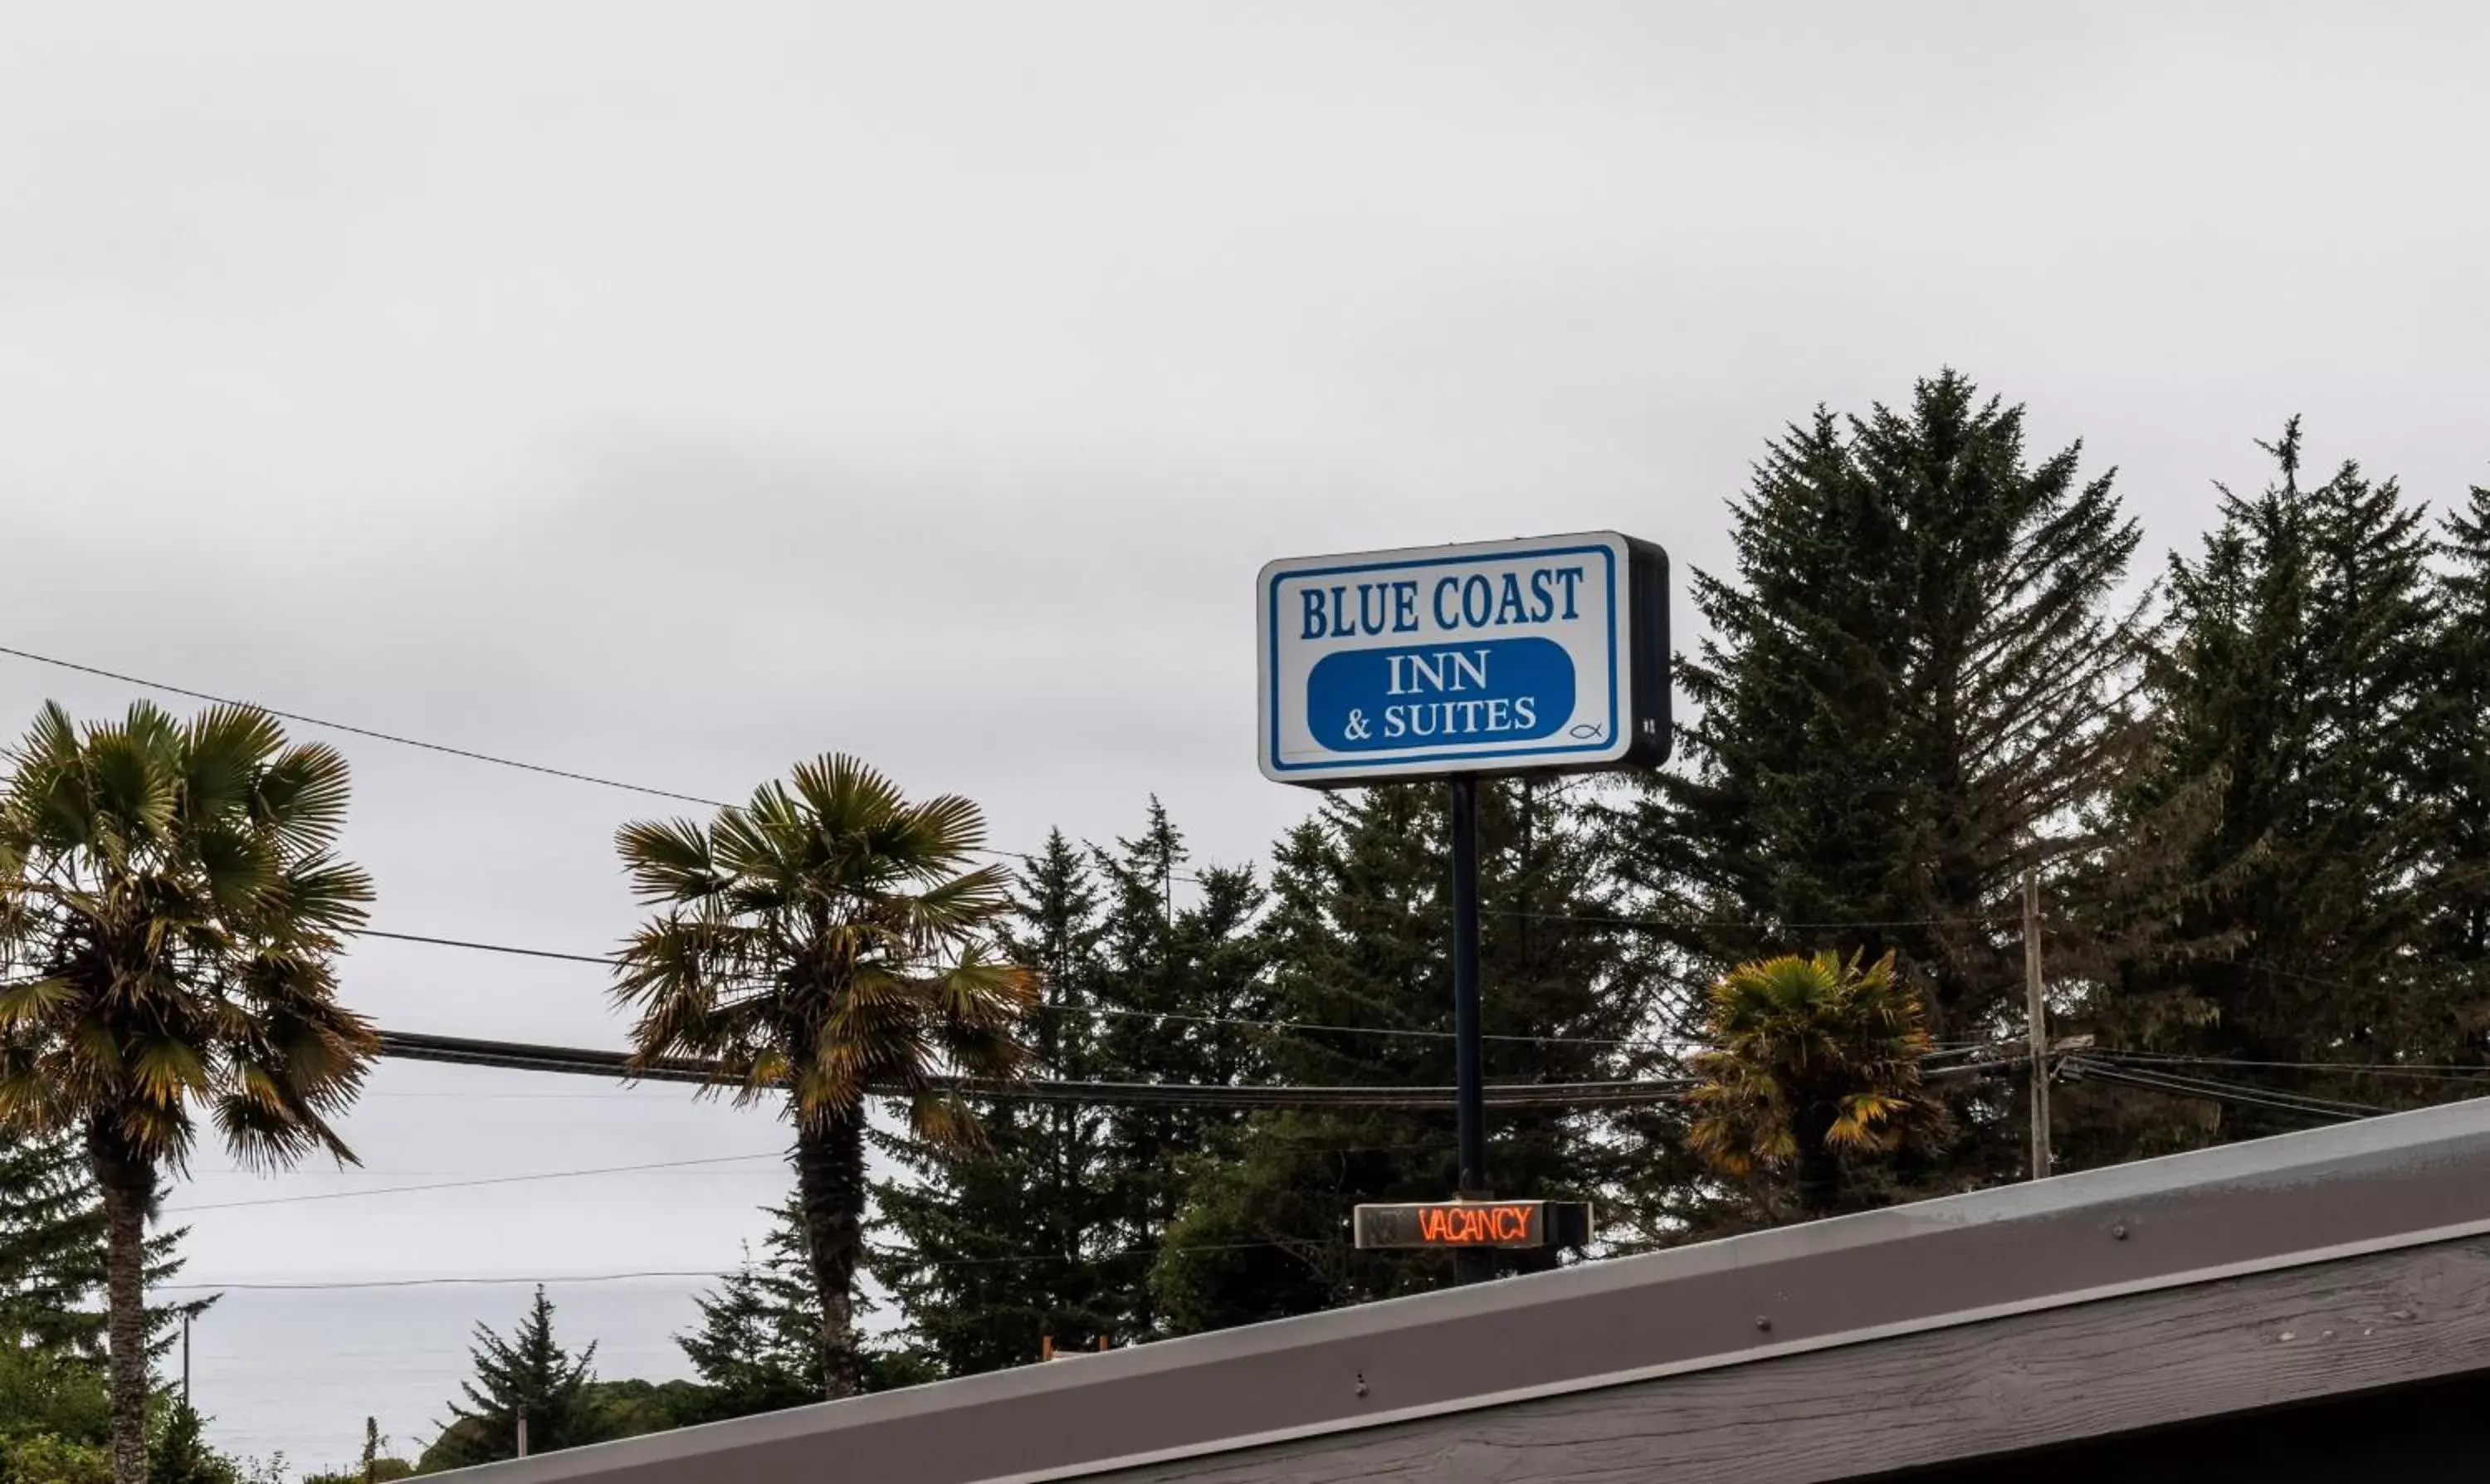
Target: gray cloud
(671,393)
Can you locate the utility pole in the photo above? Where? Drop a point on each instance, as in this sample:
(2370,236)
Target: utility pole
(186,1359)
(1470,1264)
(522,1417)
(2036,1013)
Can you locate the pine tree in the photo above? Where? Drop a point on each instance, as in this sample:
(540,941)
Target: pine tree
(51,1242)
(1173,984)
(1908,699)
(52,1253)
(754,1349)
(529,1370)
(758,1348)
(1358,942)
(2458,884)
(992,1248)
(2300,677)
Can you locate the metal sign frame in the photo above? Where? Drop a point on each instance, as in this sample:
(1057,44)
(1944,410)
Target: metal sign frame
(1586,613)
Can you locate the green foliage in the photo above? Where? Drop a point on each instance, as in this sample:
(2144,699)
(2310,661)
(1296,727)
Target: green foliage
(44,1458)
(1356,937)
(2306,675)
(375,1467)
(1046,1229)
(629,1409)
(988,1246)
(51,1246)
(2456,769)
(170,911)
(384,1470)
(1810,1062)
(178,1453)
(52,1249)
(170,915)
(758,1346)
(51,1393)
(528,1370)
(1907,700)
(1173,979)
(823,942)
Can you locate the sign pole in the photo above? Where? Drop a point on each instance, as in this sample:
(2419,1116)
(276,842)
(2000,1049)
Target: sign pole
(1470,1264)
(1504,659)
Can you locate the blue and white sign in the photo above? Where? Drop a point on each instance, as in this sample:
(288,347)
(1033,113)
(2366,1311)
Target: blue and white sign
(1501,656)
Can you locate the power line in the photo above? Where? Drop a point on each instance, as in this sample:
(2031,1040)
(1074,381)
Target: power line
(357,730)
(608,961)
(491,1179)
(1768,927)
(326,1286)
(399,740)
(356,1283)
(605,960)
(598,780)
(2437,1071)
(2090,1068)
(577,1061)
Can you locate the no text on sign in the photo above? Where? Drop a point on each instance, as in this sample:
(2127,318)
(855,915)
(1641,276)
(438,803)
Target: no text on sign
(1547,655)
(1474,1224)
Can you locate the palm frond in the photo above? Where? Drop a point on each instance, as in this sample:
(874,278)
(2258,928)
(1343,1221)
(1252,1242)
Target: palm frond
(945,1119)
(941,832)
(845,797)
(224,749)
(130,797)
(31,1002)
(301,796)
(668,860)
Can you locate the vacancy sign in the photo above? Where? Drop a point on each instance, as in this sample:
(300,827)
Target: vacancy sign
(1547,655)
(1473,1224)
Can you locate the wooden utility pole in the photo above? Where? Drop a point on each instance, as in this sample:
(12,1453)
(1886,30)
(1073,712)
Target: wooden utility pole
(2037,1011)
(186,1359)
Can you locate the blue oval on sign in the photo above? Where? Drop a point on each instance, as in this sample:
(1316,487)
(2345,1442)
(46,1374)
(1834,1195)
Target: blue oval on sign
(1432,695)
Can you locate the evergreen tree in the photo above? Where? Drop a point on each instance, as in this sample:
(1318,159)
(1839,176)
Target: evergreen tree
(1907,700)
(1046,1230)
(51,1242)
(1175,983)
(758,1346)
(2300,676)
(755,1348)
(529,1370)
(52,1253)
(2458,882)
(992,1248)
(1358,942)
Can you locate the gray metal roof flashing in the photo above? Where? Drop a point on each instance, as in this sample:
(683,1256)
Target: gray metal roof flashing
(2388,1182)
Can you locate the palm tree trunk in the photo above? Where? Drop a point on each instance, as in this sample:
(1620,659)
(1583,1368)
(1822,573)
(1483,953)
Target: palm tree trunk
(830,1182)
(126,1181)
(1819,1168)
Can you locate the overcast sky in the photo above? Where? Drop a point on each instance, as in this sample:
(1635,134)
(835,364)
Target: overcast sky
(669,391)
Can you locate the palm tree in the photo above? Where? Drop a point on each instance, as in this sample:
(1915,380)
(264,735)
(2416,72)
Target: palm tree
(170,916)
(821,944)
(1811,1059)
